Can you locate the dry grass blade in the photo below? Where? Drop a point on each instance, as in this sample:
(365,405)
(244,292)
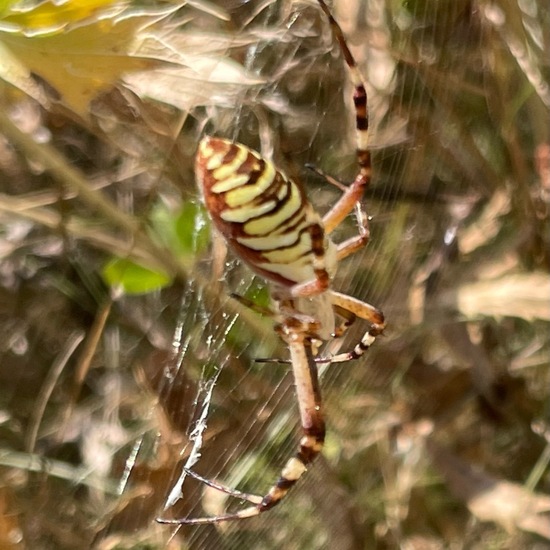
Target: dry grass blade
(492,499)
(523,295)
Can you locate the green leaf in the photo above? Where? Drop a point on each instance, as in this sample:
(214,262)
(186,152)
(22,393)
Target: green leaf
(193,229)
(259,293)
(186,233)
(133,278)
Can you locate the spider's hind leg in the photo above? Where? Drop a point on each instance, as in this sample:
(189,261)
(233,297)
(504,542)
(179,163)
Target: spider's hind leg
(311,443)
(249,497)
(250,511)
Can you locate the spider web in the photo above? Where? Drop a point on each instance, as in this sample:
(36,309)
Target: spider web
(458,261)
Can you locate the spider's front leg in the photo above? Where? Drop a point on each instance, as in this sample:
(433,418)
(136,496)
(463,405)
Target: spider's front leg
(353,194)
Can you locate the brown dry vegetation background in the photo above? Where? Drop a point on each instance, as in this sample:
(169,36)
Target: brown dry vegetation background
(438,438)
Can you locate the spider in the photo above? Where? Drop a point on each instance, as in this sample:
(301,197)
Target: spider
(269,223)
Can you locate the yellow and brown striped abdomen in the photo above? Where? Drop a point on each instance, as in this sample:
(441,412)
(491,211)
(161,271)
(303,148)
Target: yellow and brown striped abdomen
(264,216)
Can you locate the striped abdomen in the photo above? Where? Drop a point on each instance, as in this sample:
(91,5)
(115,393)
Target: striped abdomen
(264,216)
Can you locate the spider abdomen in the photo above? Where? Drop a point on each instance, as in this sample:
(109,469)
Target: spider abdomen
(264,215)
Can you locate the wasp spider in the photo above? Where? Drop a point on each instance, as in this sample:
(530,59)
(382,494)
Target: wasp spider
(268,221)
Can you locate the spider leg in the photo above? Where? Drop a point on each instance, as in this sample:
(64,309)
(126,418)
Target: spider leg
(311,443)
(354,193)
(313,425)
(353,244)
(328,178)
(254,499)
(351,199)
(364,311)
(349,318)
